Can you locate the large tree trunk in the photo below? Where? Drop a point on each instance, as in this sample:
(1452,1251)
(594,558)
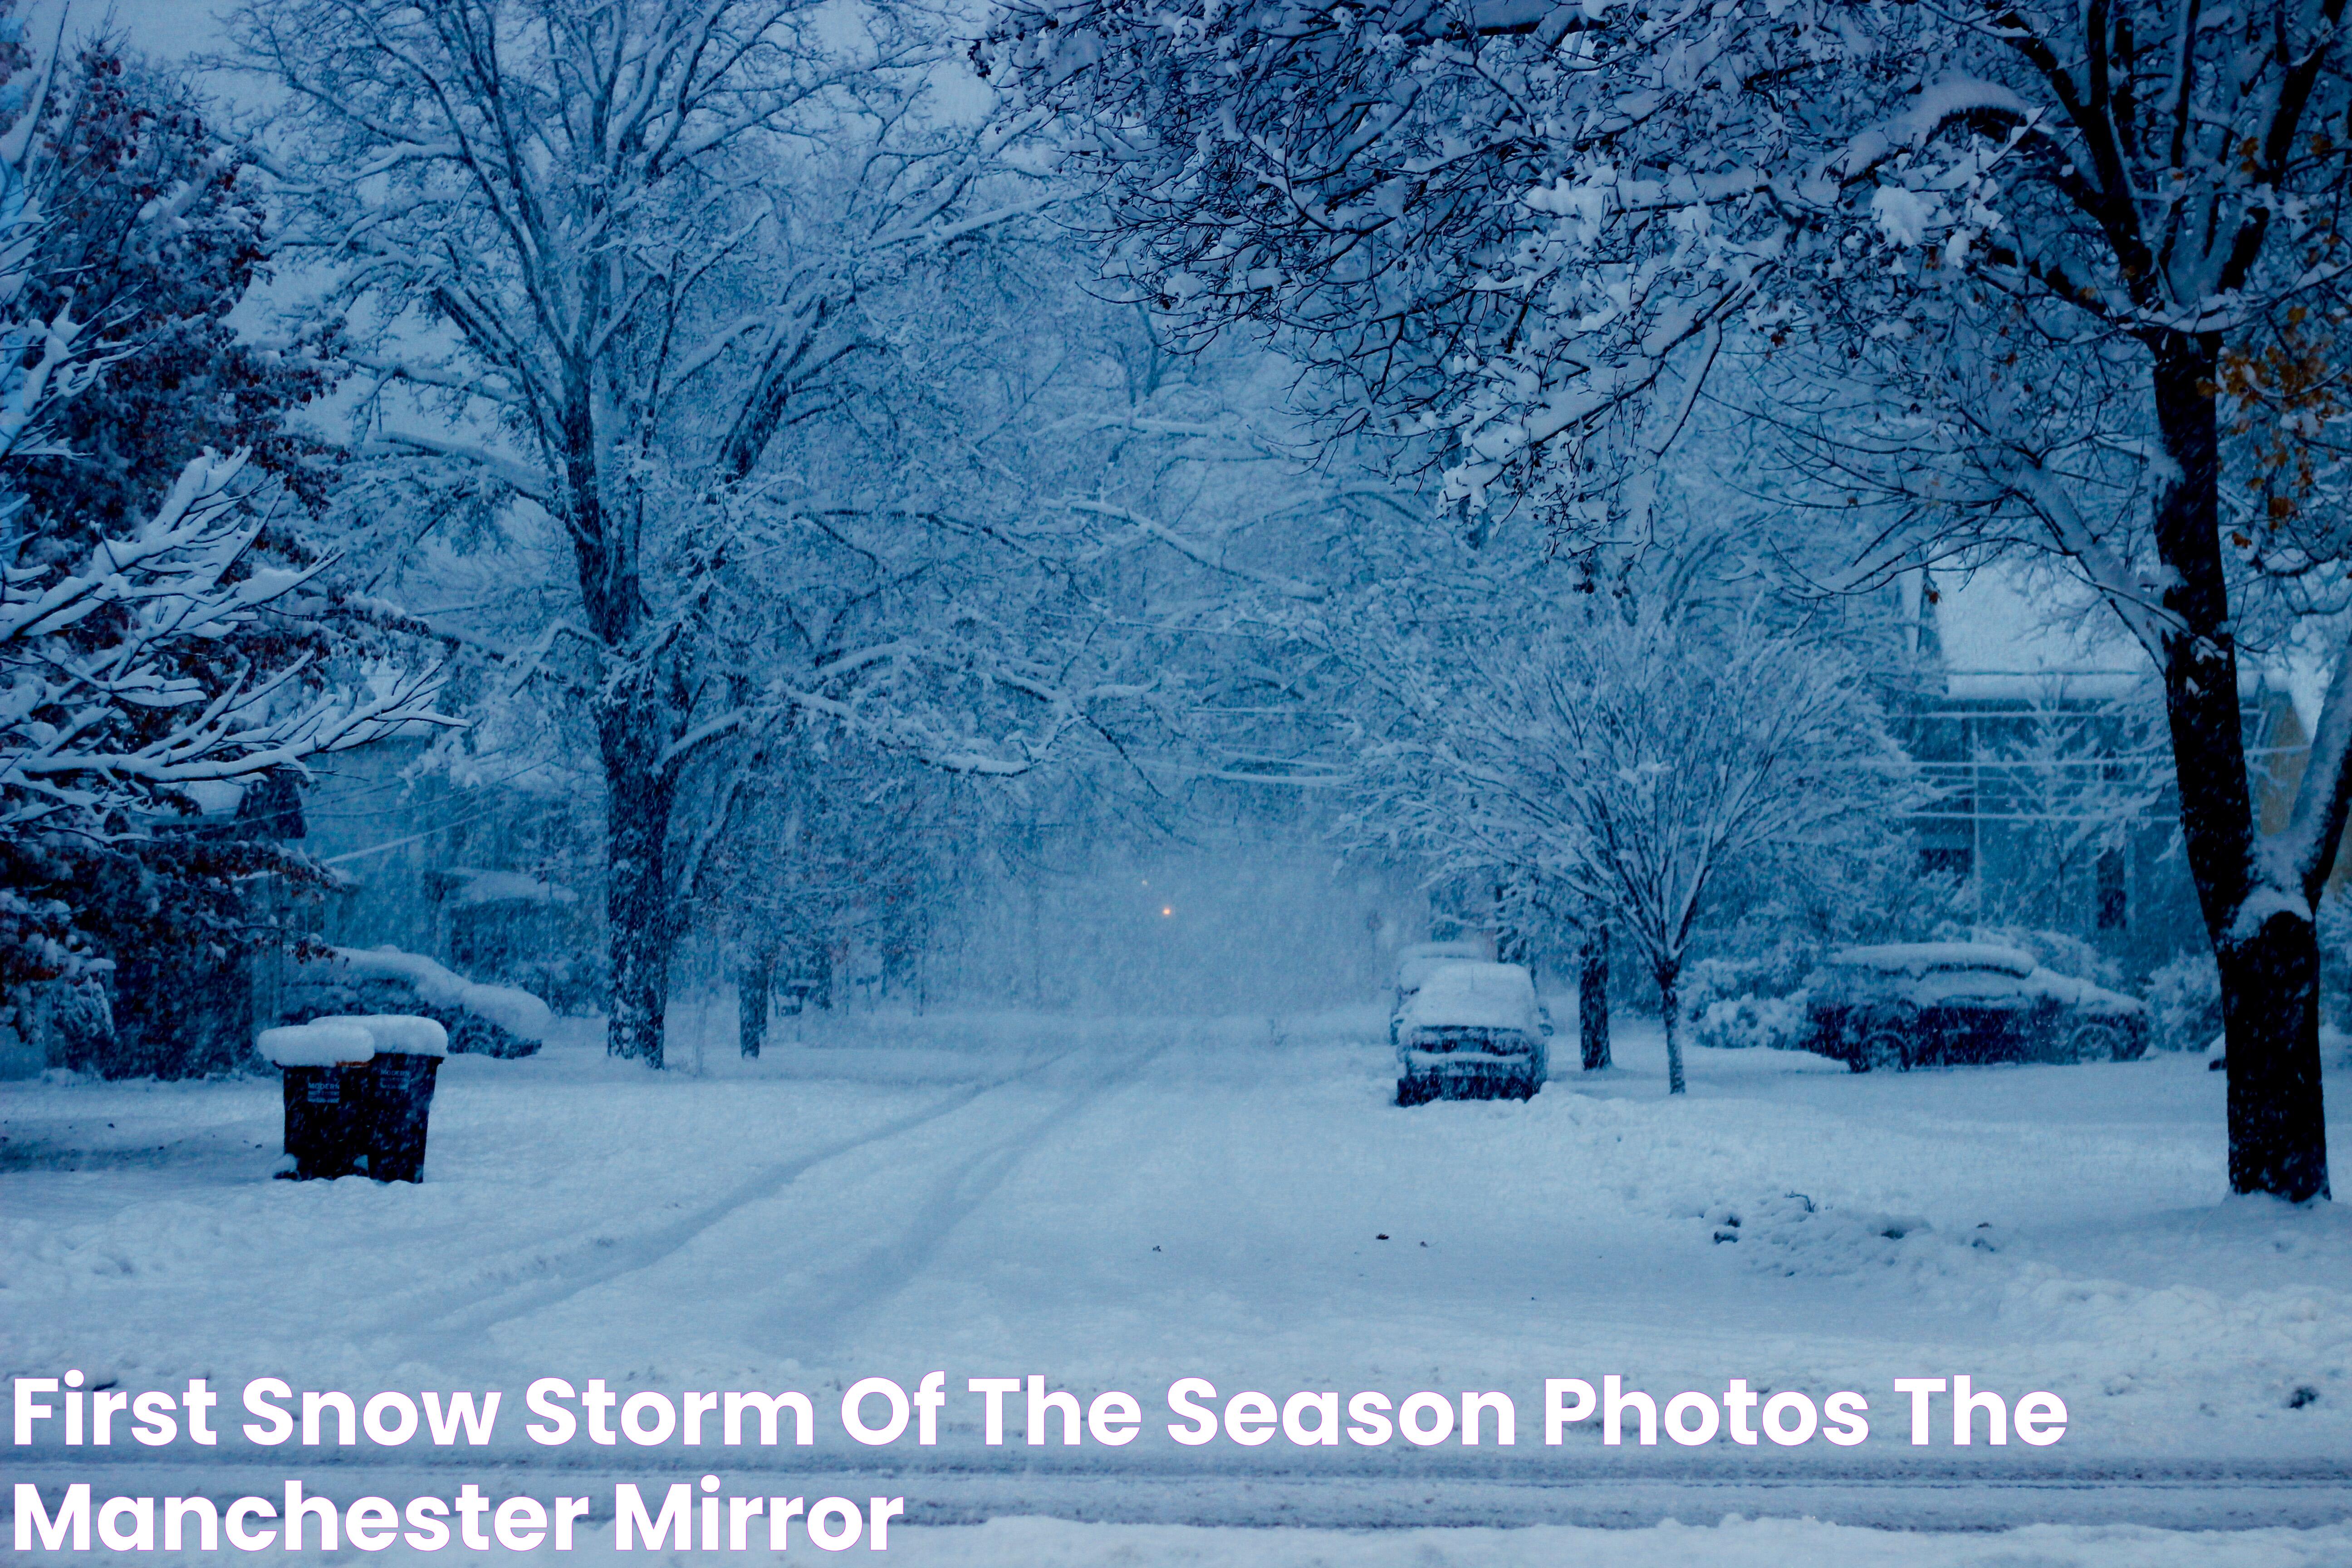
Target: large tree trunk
(2263,937)
(1593,996)
(2270,1010)
(633,735)
(753,985)
(1670,1007)
(637,794)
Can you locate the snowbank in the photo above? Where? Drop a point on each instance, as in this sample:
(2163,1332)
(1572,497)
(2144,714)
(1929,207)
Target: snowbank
(517,1011)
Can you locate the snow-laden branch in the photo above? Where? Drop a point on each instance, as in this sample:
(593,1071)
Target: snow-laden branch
(2149,623)
(2302,855)
(110,687)
(521,477)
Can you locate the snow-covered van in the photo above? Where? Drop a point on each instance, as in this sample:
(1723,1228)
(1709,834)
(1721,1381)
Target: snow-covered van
(1471,1031)
(1938,1003)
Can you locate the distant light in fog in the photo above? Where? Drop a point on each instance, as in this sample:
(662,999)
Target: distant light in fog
(1167,908)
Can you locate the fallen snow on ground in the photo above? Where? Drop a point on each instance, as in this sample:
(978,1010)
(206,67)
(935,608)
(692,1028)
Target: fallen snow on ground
(1735,1544)
(1115,1203)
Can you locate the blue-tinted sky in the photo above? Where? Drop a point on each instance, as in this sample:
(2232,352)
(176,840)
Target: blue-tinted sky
(157,26)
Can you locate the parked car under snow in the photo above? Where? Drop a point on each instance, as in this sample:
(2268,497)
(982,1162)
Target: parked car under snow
(1471,1031)
(1417,963)
(1951,1003)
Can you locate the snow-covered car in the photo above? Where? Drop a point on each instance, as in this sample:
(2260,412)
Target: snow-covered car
(1948,1003)
(1414,965)
(1471,1031)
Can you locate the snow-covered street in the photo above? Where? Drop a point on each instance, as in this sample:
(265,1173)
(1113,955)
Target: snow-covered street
(1120,1204)
(994,701)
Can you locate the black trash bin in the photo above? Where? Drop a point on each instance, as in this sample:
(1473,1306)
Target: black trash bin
(397,1099)
(399,1106)
(326,1095)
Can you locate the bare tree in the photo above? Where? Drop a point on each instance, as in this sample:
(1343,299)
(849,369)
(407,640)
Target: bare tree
(605,255)
(1633,763)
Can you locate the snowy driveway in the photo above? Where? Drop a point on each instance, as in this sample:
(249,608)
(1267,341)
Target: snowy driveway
(1118,1205)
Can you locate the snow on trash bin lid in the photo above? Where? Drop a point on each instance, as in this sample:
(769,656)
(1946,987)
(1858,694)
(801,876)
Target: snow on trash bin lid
(397,1033)
(316,1044)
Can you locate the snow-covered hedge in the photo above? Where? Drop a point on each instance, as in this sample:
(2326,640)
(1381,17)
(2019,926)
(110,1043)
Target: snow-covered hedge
(1745,1022)
(1741,1000)
(2184,1003)
(518,1011)
(480,1020)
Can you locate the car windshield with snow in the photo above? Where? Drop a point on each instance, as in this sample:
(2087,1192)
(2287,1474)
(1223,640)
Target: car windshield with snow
(1417,964)
(1472,1030)
(1951,1003)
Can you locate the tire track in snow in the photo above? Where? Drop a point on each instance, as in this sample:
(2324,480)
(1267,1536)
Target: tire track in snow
(585,1267)
(838,1296)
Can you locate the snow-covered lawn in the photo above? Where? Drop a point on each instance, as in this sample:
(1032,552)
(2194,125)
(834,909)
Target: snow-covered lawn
(1119,1203)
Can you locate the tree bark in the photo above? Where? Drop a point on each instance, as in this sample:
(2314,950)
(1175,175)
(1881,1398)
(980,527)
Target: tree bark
(638,800)
(2270,964)
(1593,996)
(1513,941)
(2270,1012)
(1670,1015)
(751,989)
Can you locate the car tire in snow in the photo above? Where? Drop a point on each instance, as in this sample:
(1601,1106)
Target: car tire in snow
(2101,1043)
(1881,1052)
(1414,1091)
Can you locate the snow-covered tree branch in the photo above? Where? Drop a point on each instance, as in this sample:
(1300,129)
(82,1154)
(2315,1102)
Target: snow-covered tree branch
(110,694)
